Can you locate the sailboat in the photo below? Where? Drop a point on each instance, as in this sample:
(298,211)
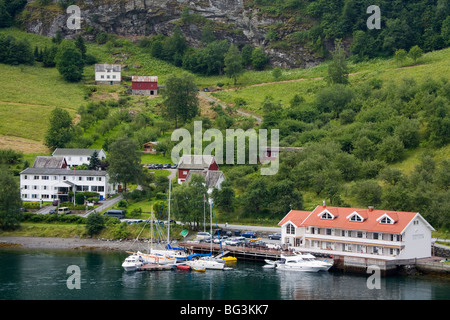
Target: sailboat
(138,259)
(205,261)
(172,252)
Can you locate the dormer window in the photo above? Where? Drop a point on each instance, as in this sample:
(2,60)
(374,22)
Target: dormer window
(355,217)
(386,220)
(326,215)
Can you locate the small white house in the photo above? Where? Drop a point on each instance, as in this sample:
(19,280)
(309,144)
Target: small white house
(49,184)
(358,233)
(76,157)
(108,74)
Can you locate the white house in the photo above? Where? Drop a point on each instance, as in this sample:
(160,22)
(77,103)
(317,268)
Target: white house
(358,233)
(108,73)
(48,184)
(76,157)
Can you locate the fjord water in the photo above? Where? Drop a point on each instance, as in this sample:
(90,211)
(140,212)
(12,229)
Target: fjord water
(42,274)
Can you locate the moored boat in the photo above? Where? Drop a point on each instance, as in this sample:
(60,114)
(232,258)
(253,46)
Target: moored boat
(299,262)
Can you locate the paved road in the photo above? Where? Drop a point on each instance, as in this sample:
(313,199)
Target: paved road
(105,205)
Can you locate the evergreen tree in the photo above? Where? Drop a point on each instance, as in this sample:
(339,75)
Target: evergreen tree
(79,43)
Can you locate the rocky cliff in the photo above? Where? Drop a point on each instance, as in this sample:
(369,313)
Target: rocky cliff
(229,19)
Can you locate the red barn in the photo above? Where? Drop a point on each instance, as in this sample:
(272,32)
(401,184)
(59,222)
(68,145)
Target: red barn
(144,85)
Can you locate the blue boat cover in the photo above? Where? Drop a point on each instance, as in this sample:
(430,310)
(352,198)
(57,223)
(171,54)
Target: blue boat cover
(169,247)
(191,256)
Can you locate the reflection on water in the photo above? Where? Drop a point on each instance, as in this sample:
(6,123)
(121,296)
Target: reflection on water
(42,274)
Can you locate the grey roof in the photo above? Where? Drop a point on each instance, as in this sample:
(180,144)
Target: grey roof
(105,66)
(211,176)
(195,162)
(66,172)
(74,152)
(49,162)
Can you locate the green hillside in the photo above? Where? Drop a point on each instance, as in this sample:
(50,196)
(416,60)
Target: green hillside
(391,116)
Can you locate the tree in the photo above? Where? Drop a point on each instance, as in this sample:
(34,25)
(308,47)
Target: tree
(190,200)
(259,59)
(233,63)
(10,201)
(337,70)
(60,131)
(79,43)
(224,198)
(367,193)
(94,223)
(124,162)
(415,53)
(180,98)
(94,161)
(69,62)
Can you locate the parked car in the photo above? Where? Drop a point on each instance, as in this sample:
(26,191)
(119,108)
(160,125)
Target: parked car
(55,202)
(64,210)
(174,166)
(203,235)
(119,214)
(275,236)
(249,234)
(166,166)
(52,211)
(235,241)
(151,166)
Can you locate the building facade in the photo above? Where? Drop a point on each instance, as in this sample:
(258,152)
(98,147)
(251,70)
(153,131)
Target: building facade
(195,162)
(108,74)
(45,184)
(359,233)
(144,85)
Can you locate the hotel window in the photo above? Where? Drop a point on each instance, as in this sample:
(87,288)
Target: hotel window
(343,233)
(326,215)
(329,232)
(356,218)
(375,236)
(290,229)
(101,189)
(359,234)
(90,178)
(99,179)
(45,177)
(386,220)
(36,177)
(25,177)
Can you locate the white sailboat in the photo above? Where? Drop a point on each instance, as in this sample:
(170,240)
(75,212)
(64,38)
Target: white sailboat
(205,261)
(178,254)
(138,259)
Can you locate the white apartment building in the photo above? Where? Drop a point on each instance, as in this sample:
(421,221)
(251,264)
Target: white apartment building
(46,184)
(359,233)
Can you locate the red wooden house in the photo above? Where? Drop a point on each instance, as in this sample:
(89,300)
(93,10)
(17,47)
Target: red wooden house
(144,85)
(195,162)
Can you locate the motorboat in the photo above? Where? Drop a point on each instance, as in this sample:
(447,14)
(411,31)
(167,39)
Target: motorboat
(299,262)
(205,263)
(133,262)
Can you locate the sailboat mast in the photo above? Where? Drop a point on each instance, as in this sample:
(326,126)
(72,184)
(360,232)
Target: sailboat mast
(210,223)
(168,225)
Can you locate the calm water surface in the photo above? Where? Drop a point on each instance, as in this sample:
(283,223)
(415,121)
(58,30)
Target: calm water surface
(42,274)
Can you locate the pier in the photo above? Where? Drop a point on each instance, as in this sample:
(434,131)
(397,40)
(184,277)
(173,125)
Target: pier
(240,252)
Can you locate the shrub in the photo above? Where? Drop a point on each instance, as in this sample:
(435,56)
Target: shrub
(95,223)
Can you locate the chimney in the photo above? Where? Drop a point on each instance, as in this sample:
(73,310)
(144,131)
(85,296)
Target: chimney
(370,208)
(323,203)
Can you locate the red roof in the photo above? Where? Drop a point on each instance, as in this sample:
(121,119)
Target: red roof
(371,219)
(296,217)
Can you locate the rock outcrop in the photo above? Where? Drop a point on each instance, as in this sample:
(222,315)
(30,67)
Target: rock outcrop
(228,19)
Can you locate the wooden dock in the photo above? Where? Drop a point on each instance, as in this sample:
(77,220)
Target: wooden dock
(240,252)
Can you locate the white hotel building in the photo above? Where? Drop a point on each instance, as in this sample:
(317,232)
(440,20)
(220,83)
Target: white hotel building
(356,233)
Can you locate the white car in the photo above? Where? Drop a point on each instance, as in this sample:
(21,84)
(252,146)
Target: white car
(235,241)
